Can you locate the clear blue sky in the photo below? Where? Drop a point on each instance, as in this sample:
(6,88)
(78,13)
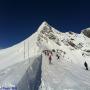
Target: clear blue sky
(20,18)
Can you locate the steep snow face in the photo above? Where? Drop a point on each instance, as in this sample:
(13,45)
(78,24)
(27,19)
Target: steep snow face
(47,35)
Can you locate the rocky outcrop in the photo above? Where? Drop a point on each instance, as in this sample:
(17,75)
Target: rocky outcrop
(86,32)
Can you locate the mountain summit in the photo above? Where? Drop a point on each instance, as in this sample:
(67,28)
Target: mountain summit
(44,26)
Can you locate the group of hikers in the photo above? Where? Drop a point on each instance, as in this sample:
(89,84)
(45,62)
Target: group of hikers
(49,53)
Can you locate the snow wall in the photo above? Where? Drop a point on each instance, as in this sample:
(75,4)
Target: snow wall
(32,78)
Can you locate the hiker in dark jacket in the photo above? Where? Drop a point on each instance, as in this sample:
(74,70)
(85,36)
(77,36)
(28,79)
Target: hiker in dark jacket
(57,56)
(86,65)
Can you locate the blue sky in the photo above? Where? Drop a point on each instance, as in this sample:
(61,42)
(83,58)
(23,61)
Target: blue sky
(21,18)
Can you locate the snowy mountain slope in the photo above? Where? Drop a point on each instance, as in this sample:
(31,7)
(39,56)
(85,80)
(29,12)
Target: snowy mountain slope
(19,52)
(74,50)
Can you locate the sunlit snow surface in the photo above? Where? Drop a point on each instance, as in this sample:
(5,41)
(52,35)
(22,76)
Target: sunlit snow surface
(64,75)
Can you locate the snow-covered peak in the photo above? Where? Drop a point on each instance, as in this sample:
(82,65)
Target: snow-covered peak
(44,23)
(41,27)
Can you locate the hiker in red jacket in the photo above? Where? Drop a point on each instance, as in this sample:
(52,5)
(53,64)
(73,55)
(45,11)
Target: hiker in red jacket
(50,59)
